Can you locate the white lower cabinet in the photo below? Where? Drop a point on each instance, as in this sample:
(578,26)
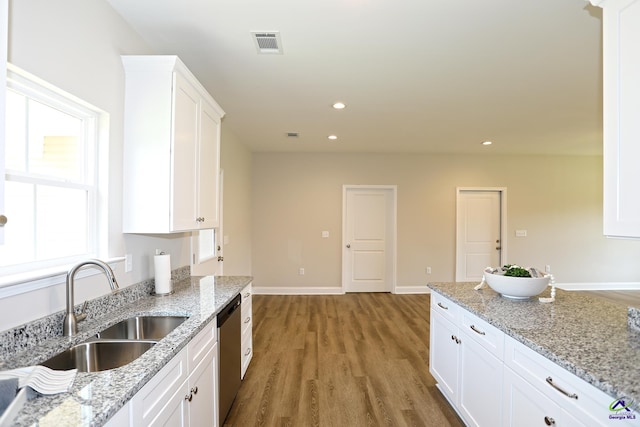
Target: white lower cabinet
(246,341)
(184,392)
(491,379)
(480,393)
(463,362)
(529,374)
(525,406)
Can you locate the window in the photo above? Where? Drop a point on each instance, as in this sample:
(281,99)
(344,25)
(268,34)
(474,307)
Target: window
(51,186)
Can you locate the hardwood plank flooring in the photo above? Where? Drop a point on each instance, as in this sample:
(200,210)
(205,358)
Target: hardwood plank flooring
(622,297)
(340,360)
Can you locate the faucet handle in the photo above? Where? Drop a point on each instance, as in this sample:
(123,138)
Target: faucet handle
(83,312)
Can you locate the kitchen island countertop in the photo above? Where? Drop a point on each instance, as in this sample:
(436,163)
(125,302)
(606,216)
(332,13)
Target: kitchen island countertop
(586,335)
(95,397)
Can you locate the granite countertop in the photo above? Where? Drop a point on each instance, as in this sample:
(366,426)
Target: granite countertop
(587,336)
(95,397)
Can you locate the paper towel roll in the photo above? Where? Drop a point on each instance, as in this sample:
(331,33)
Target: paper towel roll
(162,265)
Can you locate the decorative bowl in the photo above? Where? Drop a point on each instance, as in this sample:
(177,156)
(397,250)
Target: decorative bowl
(516,287)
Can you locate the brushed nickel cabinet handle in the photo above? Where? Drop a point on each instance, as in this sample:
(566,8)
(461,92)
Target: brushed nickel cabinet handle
(247,320)
(549,421)
(444,307)
(189,397)
(476,330)
(248,352)
(195,390)
(566,393)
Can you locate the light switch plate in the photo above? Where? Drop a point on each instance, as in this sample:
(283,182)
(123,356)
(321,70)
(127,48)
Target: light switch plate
(521,233)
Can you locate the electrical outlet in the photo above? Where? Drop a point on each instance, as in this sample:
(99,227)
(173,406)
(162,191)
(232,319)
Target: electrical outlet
(128,263)
(301,271)
(427,270)
(547,268)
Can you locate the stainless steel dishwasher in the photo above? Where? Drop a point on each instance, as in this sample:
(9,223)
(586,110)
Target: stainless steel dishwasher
(229,330)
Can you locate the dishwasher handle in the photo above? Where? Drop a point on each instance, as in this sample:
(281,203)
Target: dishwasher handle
(228,310)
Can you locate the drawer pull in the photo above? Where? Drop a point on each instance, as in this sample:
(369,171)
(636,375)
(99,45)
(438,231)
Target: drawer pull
(247,320)
(549,421)
(194,390)
(248,352)
(247,295)
(444,307)
(189,397)
(455,338)
(476,330)
(570,395)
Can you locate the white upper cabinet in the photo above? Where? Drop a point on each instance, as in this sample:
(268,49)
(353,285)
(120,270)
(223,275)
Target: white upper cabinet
(171,148)
(621,74)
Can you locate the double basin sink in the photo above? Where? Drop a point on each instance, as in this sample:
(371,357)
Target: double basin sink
(117,345)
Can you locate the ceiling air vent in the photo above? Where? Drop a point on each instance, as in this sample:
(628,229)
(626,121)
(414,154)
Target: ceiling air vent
(267,42)
(292,134)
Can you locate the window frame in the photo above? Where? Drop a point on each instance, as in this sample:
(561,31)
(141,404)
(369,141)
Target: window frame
(96,181)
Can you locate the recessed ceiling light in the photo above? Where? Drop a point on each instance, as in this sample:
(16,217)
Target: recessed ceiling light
(332,137)
(339,105)
(487,143)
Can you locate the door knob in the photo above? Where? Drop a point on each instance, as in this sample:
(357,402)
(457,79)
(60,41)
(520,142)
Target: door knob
(348,246)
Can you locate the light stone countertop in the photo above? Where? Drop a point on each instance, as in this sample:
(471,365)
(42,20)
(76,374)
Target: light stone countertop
(95,397)
(586,335)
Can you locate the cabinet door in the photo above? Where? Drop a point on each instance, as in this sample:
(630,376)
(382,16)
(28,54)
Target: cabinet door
(165,390)
(208,168)
(525,406)
(186,103)
(480,392)
(202,389)
(621,79)
(443,355)
(175,412)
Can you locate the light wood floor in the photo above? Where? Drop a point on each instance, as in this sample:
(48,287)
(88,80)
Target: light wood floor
(625,298)
(340,360)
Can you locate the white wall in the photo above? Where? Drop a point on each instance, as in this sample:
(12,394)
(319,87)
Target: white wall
(235,161)
(558,200)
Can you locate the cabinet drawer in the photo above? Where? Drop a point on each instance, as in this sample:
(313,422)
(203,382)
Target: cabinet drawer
(246,295)
(202,343)
(488,336)
(446,307)
(579,398)
(247,352)
(247,323)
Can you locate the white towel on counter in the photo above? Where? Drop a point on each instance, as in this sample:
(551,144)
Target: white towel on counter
(42,379)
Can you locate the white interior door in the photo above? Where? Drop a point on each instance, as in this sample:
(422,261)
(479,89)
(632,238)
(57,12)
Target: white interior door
(479,232)
(369,228)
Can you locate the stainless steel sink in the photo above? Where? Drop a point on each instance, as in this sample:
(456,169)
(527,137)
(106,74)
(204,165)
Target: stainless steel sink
(94,356)
(142,328)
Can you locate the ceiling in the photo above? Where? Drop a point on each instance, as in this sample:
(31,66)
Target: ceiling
(418,76)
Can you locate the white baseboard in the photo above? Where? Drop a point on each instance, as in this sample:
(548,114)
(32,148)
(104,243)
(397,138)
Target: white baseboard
(296,290)
(327,290)
(599,286)
(422,289)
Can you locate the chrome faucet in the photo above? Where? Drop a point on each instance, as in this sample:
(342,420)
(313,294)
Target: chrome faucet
(70,324)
